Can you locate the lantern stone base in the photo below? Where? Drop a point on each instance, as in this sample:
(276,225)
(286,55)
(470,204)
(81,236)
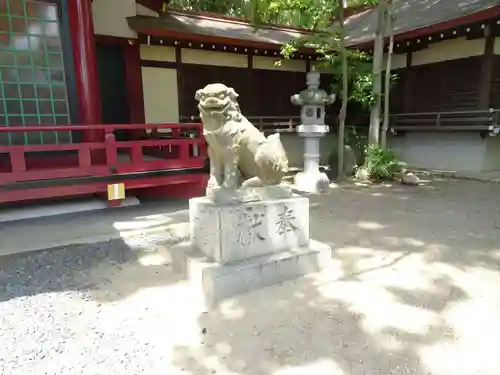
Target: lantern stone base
(312,182)
(240,247)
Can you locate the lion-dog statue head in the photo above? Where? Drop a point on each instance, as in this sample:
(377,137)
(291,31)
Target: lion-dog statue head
(217,104)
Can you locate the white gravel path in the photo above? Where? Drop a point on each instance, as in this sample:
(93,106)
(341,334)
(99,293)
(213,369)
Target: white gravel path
(413,289)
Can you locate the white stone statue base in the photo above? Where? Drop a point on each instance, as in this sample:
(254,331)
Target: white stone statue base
(241,247)
(312,182)
(238,232)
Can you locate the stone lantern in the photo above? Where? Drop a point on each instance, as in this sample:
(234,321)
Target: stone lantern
(313,101)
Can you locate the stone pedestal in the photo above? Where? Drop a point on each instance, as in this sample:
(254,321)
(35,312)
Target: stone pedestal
(234,233)
(311,180)
(238,248)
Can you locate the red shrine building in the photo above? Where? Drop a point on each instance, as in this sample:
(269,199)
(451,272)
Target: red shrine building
(97,97)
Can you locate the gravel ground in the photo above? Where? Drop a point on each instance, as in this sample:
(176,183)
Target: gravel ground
(413,289)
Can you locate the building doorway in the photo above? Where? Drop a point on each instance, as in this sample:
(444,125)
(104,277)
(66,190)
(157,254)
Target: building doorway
(112,84)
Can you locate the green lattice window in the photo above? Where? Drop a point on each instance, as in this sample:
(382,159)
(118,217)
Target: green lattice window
(32,76)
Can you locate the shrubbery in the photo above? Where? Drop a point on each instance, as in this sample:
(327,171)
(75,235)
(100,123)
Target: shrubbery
(380,163)
(373,162)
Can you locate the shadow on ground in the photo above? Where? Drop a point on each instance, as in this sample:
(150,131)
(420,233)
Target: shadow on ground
(413,289)
(108,271)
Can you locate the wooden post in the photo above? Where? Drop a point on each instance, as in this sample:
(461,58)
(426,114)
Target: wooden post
(250,86)
(84,52)
(180,97)
(486,69)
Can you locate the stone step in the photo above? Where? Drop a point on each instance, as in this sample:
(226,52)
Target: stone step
(13,213)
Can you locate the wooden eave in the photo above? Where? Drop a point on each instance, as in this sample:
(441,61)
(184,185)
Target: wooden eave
(409,26)
(221,31)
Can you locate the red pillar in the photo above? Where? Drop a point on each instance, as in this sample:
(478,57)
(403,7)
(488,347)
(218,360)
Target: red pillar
(84,54)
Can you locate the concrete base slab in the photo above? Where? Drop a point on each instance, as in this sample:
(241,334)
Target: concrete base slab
(58,208)
(215,282)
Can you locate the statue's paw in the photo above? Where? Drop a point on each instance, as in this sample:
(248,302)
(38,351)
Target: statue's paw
(212,185)
(212,181)
(252,182)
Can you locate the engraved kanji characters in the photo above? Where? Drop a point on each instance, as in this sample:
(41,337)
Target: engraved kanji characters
(285,221)
(250,226)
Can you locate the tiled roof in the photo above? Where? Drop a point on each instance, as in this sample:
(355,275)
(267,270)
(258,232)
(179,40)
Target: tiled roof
(414,14)
(215,27)
(409,15)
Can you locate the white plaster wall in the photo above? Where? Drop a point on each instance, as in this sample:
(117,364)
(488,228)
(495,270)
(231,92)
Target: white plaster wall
(110,17)
(398,61)
(453,49)
(276,63)
(196,56)
(294,148)
(161,102)
(159,86)
(157,53)
(492,158)
(445,151)
(496,46)
(462,152)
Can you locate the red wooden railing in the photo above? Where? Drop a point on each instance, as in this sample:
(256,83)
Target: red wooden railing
(153,149)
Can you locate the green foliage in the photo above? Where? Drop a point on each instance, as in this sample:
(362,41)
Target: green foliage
(234,8)
(359,66)
(315,15)
(381,163)
(362,88)
(309,14)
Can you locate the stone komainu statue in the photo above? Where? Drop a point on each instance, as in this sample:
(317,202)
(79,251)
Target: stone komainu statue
(240,155)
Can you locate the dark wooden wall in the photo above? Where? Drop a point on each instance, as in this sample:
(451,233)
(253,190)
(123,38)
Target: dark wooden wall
(195,77)
(261,92)
(453,85)
(445,86)
(273,89)
(397,94)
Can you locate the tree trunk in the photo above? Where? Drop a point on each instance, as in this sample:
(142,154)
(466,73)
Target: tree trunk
(387,89)
(343,109)
(378,56)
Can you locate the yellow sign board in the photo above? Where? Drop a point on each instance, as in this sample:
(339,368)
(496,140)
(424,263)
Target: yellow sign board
(116,192)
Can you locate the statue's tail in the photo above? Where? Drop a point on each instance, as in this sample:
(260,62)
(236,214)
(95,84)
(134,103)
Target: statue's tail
(274,141)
